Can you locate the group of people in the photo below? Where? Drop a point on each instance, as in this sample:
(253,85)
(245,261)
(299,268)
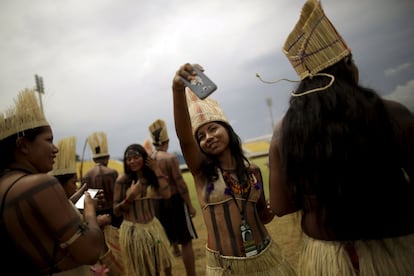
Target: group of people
(342,157)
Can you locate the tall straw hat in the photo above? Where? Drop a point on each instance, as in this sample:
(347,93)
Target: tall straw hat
(314,44)
(26,114)
(65,162)
(98,144)
(203,111)
(158,131)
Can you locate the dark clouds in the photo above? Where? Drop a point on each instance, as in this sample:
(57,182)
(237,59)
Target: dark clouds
(108,65)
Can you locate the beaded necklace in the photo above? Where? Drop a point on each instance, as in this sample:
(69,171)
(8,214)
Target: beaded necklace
(233,186)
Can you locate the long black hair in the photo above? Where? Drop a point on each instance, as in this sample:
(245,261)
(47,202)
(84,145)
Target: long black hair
(147,172)
(338,146)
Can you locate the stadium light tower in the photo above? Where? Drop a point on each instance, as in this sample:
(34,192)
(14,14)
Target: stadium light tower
(269,105)
(40,89)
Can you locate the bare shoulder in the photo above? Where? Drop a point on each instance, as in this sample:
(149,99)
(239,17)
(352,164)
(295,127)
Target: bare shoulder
(109,170)
(397,108)
(42,190)
(166,155)
(39,179)
(26,183)
(121,178)
(401,114)
(253,166)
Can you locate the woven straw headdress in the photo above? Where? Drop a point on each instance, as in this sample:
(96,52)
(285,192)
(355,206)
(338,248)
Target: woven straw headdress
(98,144)
(203,111)
(158,131)
(314,44)
(26,114)
(65,162)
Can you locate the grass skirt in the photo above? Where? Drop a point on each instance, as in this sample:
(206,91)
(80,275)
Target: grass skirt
(269,262)
(145,248)
(392,256)
(112,258)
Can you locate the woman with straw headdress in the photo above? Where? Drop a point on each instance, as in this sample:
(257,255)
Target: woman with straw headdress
(229,188)
(344,158)
(41,231)
(142,239)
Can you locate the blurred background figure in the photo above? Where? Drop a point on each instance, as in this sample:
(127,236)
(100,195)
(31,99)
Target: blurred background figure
(142,239)
(175,213)
(103,178)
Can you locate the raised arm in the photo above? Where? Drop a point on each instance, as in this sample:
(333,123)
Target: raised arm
(189,146)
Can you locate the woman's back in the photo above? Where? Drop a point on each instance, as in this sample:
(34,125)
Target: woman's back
(349,151)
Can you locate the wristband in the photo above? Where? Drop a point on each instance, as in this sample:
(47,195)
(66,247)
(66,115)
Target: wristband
(162,177)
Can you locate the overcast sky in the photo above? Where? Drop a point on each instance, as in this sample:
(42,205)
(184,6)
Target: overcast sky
(108,65)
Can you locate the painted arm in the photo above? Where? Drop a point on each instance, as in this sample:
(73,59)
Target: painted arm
(181,185)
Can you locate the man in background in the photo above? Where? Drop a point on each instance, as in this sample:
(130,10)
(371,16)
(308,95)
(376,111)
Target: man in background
(101,176)
(176,212)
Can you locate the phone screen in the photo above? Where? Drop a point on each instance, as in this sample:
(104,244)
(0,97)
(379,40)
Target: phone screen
(80,203)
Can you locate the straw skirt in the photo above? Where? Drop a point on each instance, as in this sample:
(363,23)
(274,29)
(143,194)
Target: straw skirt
(268,262)
(144,248)
(392,256)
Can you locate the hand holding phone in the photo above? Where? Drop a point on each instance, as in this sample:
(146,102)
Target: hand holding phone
(201,85)
(80,203)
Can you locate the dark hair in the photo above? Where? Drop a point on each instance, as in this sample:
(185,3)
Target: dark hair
(338,146)
(235,146)
(8,144)
(148,173)
(64,178)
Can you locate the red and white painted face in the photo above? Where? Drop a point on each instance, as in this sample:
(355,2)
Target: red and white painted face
(134,160)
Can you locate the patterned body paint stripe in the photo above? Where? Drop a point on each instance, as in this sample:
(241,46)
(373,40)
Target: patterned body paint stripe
(42,251)
(28,197)
(151,207)
(259,223)
(215,228)
(230,229)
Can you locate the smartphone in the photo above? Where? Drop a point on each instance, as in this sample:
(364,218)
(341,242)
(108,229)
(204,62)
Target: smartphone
(80,203)
(201,85)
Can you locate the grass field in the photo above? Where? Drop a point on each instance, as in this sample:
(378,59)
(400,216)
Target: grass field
(285,231)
